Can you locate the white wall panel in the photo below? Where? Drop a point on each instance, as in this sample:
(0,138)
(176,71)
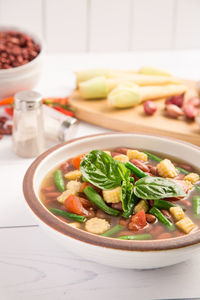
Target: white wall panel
(152,24)
(23,13)
(188,24)
(109,25)
(66,25)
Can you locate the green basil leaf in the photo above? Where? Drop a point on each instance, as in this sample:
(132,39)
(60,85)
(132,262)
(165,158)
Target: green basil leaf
(157,188)
(100,169)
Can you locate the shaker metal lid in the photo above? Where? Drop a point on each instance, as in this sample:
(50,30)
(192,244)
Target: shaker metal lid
(27,100)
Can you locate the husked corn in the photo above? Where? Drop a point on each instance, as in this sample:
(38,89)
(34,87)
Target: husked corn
(177,213)
(186,225)
(74,186)
(135,154)
(122,158)
(107,152)
(73,175)
(64,195)
(189,184)
(97,225)
(140,206)
(75,224)
(112,196)
(192,177)
(167,169)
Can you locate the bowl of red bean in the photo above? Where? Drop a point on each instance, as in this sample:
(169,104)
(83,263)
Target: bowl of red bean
(21,60)
(120,199)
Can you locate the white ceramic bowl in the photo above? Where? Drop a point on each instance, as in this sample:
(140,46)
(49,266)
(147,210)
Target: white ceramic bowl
(23,77)
(109,251)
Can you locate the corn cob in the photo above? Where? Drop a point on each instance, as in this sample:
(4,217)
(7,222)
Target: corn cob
(135,154)
(73,186)
(112,196)
(73,175)
(177,213)
(186,225)
(192,177)
(167,169)
(97,225)
(122,158)
(64,196)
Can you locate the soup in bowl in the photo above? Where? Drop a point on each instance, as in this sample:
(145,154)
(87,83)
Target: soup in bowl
(126,200)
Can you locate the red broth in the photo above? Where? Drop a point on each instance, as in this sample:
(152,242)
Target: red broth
(141,224)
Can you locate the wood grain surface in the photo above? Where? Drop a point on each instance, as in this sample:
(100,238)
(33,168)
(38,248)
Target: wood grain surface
(134,120)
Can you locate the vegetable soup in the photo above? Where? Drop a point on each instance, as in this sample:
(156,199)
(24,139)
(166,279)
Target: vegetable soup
(125,194)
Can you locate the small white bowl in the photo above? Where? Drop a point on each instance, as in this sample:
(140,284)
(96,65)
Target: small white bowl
(124,254)
(23,77)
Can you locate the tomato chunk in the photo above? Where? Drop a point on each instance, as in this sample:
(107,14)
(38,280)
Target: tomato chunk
(138,221)
(77,160)
(74,204)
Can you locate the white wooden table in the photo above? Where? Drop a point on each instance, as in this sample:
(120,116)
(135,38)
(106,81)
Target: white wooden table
(32,266)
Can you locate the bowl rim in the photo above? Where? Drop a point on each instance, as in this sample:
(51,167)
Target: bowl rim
(37,39)
(45,216)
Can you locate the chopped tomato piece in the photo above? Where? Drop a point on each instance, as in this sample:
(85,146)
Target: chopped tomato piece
(77,160)
(74,204)
(138,221)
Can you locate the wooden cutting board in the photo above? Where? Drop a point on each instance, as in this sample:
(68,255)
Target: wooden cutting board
(134,120)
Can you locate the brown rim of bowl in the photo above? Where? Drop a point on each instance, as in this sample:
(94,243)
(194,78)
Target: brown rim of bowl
(54,223)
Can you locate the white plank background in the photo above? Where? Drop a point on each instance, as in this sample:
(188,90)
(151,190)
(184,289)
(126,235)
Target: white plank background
(107,25)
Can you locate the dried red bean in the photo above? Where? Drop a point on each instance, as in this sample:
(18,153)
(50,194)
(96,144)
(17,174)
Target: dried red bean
(67,166)
(150,218)
(117,205)
(152,170)
(52,194)
(47,189)
(140,165)
(166,213)
(16,49)
(113,154)
(186,167)
(100,214)
(123,222)
(121,150)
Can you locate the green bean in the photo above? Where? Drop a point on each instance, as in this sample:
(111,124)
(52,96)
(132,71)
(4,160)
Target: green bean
(126,214)
(162,204)
(158,159)
(59,181)
(135,170)
(152,156)
(96,199)
(67,214)
(145,236)
(196,206)
(113,230)
(182,170)
(156,212)
(197,187)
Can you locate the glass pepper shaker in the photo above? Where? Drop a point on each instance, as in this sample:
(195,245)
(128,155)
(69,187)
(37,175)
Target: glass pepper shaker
(28,132)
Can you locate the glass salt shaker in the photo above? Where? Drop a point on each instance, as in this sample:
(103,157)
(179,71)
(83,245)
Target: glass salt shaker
(28,132)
